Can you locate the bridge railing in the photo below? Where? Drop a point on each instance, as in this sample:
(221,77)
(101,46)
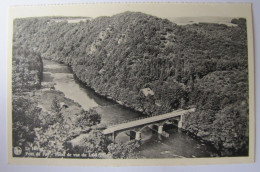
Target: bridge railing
(139,118)
(130,120)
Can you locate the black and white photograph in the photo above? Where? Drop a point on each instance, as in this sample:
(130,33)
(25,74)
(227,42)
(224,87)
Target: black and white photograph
(131,84)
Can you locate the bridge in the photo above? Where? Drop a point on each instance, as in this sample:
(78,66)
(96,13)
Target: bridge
(159,119)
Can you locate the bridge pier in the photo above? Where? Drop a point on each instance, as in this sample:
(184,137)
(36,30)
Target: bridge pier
(160,129)
(180,122)
(161,132)
(113,137)
(138,135)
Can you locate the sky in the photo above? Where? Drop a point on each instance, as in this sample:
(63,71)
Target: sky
(163,10)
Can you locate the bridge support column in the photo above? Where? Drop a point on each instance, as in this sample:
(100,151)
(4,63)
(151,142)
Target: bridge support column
(160,129)
(160,132)
(113,137)
(138,135)
(180,122)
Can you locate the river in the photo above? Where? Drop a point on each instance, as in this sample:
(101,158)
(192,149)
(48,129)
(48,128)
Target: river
(179,144)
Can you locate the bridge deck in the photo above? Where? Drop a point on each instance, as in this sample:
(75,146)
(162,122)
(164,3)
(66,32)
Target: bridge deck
(144,121)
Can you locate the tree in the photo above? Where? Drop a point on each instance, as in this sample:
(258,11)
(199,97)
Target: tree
(25,120)
(94,144)
(123,150)
(55,106)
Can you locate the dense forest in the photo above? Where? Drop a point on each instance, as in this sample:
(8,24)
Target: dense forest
(153,66)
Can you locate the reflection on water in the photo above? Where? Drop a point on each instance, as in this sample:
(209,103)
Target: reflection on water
(177,145)
(64,81)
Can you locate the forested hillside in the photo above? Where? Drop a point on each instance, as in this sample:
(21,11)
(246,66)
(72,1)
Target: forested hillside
(155,66)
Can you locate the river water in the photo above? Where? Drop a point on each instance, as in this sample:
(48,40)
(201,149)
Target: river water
(178,145)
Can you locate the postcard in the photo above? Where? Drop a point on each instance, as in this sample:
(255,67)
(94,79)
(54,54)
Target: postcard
(121,84)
